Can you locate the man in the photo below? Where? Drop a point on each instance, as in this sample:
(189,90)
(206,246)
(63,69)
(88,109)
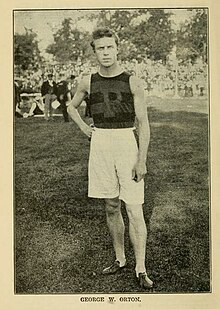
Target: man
(62,90)
(26,102)
(49,94)
(116,165)
(72,86)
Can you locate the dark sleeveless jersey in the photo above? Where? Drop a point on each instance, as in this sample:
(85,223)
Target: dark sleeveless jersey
(111,101)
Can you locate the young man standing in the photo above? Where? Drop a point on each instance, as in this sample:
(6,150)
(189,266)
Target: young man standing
(116,164)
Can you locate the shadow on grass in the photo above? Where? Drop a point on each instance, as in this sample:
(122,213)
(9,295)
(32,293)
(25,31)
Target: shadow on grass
(61,237)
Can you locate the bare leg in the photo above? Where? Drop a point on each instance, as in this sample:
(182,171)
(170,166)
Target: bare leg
(138,236)
(116,227)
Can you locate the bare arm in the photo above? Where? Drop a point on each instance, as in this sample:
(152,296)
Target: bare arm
(143,127)
(82,90)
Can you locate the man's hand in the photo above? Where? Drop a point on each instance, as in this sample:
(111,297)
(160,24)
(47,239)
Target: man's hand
(87,130)
(139,171)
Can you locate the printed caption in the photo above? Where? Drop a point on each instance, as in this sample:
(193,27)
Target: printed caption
(110,299)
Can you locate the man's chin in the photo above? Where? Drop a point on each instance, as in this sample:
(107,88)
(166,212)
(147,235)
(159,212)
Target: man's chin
(107,64)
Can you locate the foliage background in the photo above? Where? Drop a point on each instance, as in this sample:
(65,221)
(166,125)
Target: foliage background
(151,32)
(168,53)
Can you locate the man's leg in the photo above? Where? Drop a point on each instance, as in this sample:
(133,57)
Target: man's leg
(32,109)
(138,236)
(116,227)
(40,104)
(46,106)
(52,98)
(64,110)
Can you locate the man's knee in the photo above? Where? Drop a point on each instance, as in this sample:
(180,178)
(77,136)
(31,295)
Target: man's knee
(47,98)
(134,211)
(112,205)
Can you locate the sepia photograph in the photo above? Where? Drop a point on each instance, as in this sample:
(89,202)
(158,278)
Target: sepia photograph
(111,130)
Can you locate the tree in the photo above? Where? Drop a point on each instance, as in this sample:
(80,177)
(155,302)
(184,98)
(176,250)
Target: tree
(70,44)
(192,37)
(144,33)
(154,36)
(26,50)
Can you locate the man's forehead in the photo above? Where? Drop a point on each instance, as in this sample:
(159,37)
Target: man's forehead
(104,41)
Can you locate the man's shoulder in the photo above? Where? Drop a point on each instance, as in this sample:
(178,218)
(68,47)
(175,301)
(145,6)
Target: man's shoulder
(43,85)
(86,76)
(134,78)
(45,82)
(62,82)
(136,81)
(84,82)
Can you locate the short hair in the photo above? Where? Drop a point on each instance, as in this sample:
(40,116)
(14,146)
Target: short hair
(72,76)
(103,33)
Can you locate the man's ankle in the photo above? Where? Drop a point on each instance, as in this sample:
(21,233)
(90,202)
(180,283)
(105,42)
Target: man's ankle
(122,262)
(140,271)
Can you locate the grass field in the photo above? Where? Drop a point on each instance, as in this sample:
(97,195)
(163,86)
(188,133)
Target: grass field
(61,237)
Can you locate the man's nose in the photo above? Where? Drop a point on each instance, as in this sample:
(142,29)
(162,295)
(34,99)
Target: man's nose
(105,51)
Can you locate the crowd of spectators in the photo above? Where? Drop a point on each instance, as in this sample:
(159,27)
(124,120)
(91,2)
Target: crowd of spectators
(170,80)
(33,94)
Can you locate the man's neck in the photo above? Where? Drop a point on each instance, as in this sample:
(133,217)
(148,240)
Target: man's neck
(111,71)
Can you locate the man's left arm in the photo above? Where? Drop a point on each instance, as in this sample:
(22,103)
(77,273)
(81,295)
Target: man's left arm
(140,105)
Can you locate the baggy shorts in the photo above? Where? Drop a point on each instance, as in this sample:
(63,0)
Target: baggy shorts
(113,154)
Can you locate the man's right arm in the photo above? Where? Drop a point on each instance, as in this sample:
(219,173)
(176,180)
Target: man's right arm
(81,92)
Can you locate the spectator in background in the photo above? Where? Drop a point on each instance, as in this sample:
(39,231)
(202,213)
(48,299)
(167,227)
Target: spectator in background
(26,103)
(26,107)
(66,91)
(72,85)
(26,87)
(49,93)
(62,93)
(17,99)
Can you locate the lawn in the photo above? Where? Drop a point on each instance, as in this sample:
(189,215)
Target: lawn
(61,237)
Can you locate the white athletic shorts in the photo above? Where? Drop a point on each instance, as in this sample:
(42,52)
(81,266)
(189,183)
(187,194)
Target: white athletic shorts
(113,154)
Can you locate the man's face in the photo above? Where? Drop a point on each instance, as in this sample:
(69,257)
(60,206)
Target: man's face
(106,51)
